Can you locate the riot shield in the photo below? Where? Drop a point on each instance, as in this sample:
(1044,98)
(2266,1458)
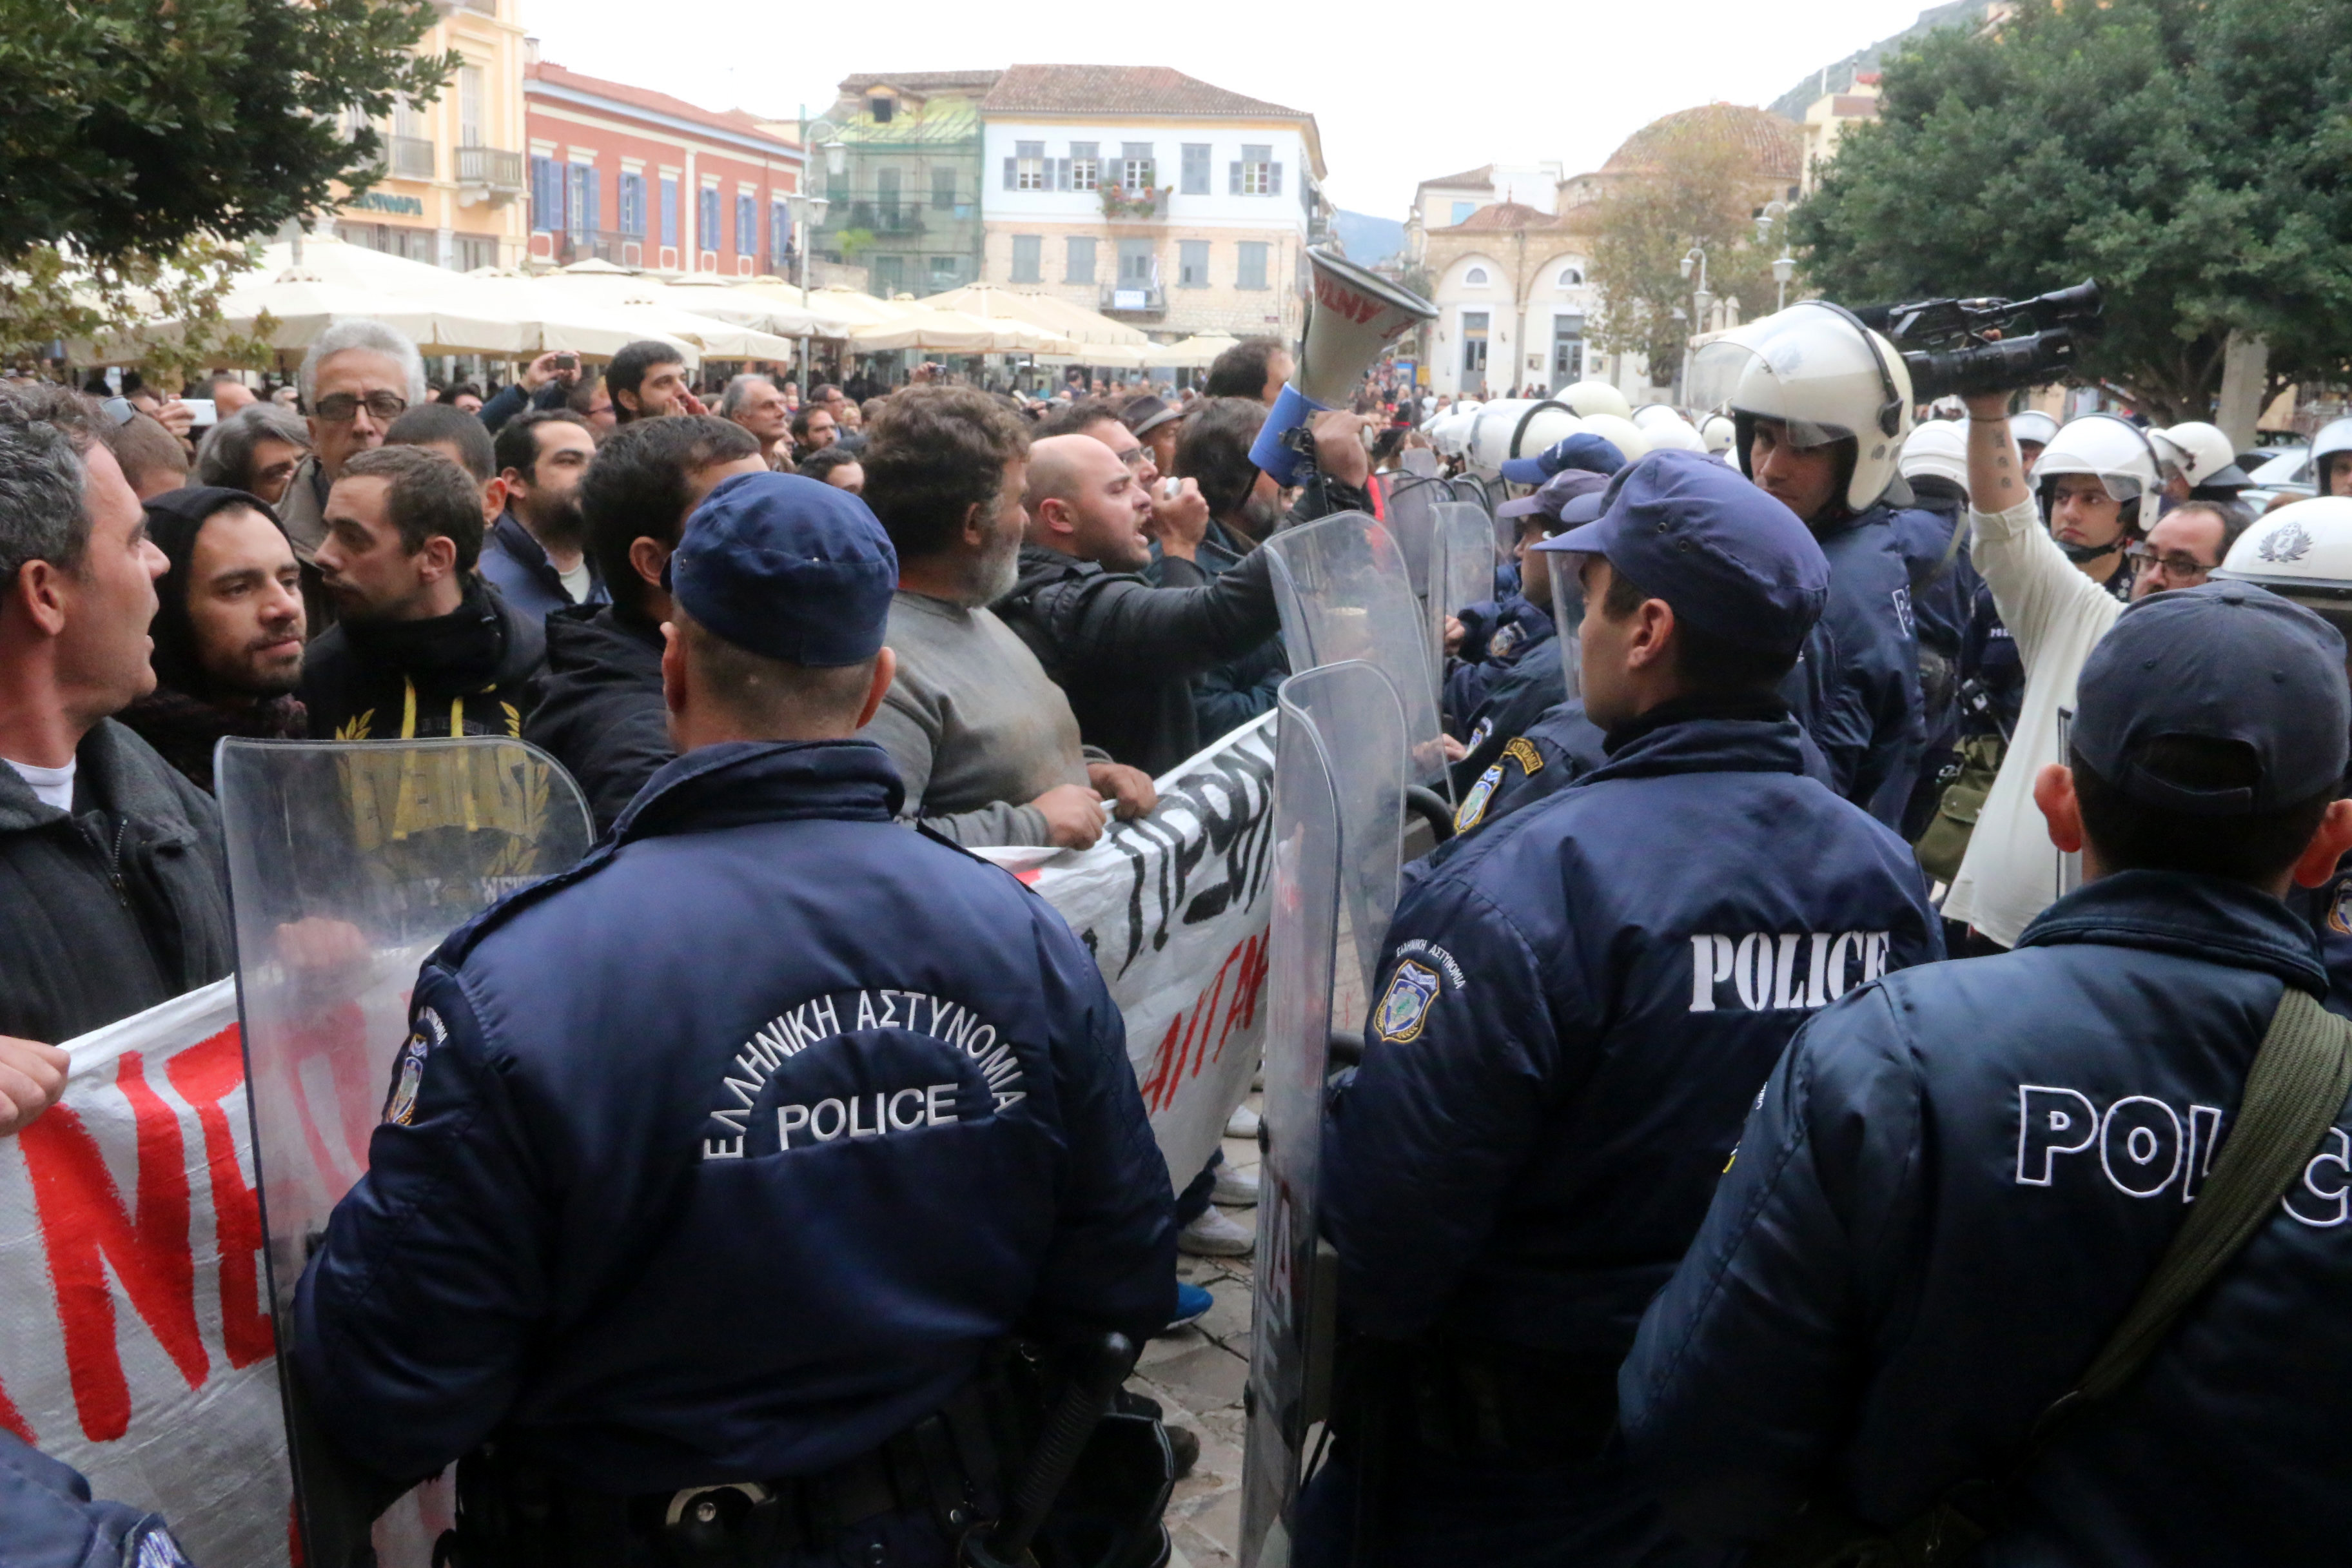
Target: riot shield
(1339,804)
(1411,503)
(1461,566)
(348,863)
(1344,593)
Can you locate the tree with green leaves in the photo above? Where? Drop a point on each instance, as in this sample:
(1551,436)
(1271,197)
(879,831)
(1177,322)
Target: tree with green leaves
(1698,184)
(2192,155)
(143,142)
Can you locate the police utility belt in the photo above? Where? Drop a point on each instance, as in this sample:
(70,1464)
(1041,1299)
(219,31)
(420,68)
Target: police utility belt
(956,1465)
(1464,1397)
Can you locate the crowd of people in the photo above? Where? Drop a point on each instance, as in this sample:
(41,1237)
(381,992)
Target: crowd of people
(1637,1264)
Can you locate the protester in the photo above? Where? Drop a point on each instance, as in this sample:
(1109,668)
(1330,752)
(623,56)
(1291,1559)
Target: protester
(465,397)
(1123,650)
(1175,509)
(429,649)
(545,382)
(1253,367)
(118,871)
(536,554)
(256,450)
(228,632)
(1918,1304)
(154,460)
(357,377)
(985,743)
(460,438)
(599,704)
(841,469)
(647,381)
(814,429)
(1245,507)
(2185,546)
(753,402)
(1154,421)
(593,401)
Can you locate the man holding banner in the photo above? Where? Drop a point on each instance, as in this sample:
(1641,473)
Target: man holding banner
(718,1170)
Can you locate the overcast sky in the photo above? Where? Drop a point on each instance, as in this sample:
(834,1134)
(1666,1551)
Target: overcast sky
(1458,86)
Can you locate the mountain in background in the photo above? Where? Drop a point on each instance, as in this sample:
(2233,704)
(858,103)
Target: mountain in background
(1839,76)
(1369,240)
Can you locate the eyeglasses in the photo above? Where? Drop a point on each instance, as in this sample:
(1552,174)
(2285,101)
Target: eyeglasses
(1134,456)
(338,406)
(2176,567)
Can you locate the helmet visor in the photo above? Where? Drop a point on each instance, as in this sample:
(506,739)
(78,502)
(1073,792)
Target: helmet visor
(1808,367)
(1567,567)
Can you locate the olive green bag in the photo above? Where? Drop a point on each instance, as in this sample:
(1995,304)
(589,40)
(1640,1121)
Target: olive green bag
(1947,838)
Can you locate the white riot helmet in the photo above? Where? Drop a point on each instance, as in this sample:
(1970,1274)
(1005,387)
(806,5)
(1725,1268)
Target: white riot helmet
(2202,453)
(1591,398)
(1822,375)
(2033,426)
(2109,447)
(2302,551)
(2330,447)
(1718,434)
(1937,450)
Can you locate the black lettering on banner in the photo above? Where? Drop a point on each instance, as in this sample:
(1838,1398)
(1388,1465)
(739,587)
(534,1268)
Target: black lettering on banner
(1220,813)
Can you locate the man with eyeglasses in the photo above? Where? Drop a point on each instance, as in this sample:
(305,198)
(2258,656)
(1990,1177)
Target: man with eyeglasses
(357,378)
(2185,546)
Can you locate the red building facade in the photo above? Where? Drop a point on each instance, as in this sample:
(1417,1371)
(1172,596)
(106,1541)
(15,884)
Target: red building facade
(643,180)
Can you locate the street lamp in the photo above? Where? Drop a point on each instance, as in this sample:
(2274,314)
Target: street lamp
(1784,266)
(1701,297)
(836,156)
(1765,218)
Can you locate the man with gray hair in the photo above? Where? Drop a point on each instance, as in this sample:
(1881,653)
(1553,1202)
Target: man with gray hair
(357,378)
(753,402)
(118,878)
(255,449)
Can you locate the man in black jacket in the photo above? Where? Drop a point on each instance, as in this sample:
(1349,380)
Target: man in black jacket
(598,709)
(113,882)
(424,647)
(1125,651)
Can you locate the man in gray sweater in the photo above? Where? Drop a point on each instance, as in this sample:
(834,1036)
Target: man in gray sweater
(985,741)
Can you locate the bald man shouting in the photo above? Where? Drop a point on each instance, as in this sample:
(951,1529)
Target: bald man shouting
(1124,651)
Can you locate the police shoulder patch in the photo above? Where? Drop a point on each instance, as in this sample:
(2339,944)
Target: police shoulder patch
(1405,1009)
(1523,751)
(1478,733)
(408,1076)
(1473,809)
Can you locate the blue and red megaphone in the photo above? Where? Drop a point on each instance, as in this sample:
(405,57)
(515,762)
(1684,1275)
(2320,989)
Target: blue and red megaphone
(1351,316)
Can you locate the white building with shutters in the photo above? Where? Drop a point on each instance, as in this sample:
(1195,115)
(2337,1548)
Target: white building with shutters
(1150,196)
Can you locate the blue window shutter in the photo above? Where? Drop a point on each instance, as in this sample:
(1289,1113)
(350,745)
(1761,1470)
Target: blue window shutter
(1233,178)
(1274,175)
(669,210)
(1013,174)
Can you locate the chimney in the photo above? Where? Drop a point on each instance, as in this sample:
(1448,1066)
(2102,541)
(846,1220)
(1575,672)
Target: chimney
(530,51)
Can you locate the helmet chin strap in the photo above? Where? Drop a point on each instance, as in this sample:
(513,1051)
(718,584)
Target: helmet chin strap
(2078,553)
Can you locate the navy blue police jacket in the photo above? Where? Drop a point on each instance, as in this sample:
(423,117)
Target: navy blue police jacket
(1573,1017)
(1492,642)
(1856,687)
(727,1152)
(1955,1185)
(1515,700)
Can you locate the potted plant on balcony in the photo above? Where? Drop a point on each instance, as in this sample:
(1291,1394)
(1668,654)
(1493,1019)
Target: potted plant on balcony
(1143,203)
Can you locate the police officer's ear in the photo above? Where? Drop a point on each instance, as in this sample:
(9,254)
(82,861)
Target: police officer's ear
(886,669)
(2329,847)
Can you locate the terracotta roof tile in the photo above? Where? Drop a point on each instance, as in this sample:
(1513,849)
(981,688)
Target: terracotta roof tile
(1119,89)
(922,81)
(1483,174)
(732,120)
(1774,146)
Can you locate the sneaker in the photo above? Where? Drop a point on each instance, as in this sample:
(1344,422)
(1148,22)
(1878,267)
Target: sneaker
(1234,1189)
(1193,1304)
(1185,1444)
(1214,1234)
(1242,1123)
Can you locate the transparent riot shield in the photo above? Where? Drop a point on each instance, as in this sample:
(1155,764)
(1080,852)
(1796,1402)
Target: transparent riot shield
(348,863)
(1344,593)
(2069,861)
(1461,569)
(1411,504)
(1339,803)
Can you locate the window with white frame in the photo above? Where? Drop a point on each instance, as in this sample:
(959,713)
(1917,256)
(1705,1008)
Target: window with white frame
(1475,279)
(1086,165)
(1029,161)
(1257,170)
(1572,278)
(1134,171)
(1191,264)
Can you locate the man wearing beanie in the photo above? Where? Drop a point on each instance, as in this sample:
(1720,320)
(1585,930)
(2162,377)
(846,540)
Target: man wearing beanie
(733,1156)
(1901,1318)
(228,629)
(1574,1013)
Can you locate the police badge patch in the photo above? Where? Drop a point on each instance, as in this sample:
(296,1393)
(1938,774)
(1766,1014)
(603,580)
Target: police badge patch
(1474,799)
(1406,1007)
(409,1077)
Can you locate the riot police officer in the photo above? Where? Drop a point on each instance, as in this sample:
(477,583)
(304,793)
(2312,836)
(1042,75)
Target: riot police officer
(1573,1014)
(720,1168)
(1822,406)
(1960,1179)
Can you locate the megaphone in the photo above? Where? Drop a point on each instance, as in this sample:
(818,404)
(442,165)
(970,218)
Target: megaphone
(1351,316)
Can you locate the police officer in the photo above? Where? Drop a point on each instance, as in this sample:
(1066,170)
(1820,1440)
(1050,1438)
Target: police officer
(729,1158)
(2331,458)
(1497,635)
(1822,405)
(1574,1013)
(1959,1180)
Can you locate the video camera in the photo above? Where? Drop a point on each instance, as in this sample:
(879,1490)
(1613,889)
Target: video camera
(1944,342)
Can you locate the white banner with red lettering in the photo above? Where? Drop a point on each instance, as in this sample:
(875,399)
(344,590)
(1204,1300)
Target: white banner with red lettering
(136,1340)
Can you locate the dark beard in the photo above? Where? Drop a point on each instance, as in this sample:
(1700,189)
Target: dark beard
(1257,518)
(566,530)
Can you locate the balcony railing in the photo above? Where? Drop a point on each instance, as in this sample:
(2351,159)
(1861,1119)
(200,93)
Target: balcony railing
(492,167)
(1134,299)
(408,157)
(604,244)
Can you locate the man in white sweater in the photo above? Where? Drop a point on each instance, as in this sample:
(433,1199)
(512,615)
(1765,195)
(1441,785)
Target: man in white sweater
(2057,600)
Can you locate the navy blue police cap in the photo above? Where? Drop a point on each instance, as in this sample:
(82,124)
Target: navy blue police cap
(2222,661)
(1594,454)
(1550,501)
(789,568)
(1732,560)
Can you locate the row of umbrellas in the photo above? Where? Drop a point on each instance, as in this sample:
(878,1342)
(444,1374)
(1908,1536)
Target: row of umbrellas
(594,307)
